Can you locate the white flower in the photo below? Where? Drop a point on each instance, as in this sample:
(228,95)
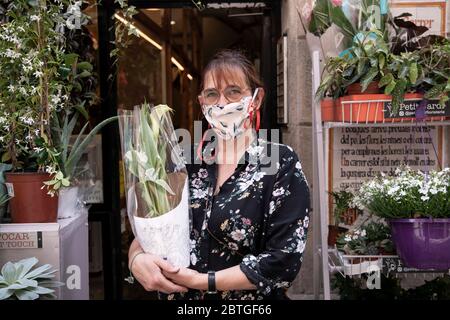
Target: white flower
(35,17)
(306,221)
(150,174)
(142,157)
(300,246)
(238,235)
(129,155)
(50,169)
(27,120)
(2,120)
(278,192)
(2,139)
(202,173)
(193,259)
(298,165)
(348,238)
(425,198)
(258,175)
(198,194)
(11,88)
(38,74)
(23,91)
(363,233)
(38,149)
(271,207)
(255,150)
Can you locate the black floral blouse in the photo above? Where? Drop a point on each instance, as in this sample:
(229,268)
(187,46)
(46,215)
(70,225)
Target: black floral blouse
(257,220)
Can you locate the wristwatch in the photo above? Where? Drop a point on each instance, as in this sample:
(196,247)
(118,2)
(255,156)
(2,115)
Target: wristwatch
(211,282)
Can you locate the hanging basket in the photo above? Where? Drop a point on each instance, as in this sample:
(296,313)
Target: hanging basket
(422,243)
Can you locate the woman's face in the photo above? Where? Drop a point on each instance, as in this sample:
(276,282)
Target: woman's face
(231,83)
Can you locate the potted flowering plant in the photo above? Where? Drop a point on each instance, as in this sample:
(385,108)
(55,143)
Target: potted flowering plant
(156,182)
(417,207)
(44,89)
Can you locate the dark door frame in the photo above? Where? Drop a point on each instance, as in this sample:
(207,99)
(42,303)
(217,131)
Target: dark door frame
(109,212)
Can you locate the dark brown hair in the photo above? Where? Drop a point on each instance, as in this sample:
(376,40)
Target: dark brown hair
(224,64)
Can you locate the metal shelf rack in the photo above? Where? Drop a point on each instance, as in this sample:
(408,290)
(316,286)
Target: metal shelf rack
(357,114)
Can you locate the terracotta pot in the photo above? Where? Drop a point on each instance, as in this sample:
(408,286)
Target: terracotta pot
(355,88)
(369,108)
(30,203)
(333,234)
(327,108)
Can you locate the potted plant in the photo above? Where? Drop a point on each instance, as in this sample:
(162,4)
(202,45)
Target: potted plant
(417,207)
(18,280)
(372,238)
(344,212)
(43,82)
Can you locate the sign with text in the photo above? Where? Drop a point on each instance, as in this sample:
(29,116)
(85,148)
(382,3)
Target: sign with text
(360,153)
(407,109)
(20,240)
(431,14)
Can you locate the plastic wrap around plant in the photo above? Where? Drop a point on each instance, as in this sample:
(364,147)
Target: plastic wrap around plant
(156,182)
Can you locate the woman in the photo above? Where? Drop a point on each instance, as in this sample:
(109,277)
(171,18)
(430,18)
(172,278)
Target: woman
(248,224)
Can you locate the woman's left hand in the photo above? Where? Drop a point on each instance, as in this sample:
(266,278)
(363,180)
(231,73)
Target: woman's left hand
(189,278)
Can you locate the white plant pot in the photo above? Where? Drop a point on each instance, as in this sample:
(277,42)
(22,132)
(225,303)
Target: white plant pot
(67,202)
(167,235)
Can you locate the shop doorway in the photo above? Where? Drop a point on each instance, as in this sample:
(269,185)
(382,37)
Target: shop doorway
(164,65)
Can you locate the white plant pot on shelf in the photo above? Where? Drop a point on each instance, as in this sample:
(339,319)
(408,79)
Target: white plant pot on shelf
(67,202)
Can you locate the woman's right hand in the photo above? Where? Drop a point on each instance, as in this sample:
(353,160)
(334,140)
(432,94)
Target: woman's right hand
(147,269)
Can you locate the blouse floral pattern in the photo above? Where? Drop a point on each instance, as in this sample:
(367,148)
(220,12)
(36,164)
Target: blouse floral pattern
(257,220)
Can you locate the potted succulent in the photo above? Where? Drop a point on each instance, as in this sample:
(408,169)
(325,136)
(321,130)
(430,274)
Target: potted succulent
(417,206)
(18,280)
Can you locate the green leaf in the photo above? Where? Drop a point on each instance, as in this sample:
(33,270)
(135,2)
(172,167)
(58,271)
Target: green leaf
(390,87)
(8,272)
(338,17)
(65,182)
(6,157)
(78,148)
(386,79)
(70,59)
(368,78)
(85,66)
(413,73)
(85,74)
(26,295)
(381,61)
(27,265)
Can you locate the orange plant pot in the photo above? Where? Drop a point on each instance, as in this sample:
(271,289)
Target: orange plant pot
(355,88)
(369,108)
(327,107)
(30,203)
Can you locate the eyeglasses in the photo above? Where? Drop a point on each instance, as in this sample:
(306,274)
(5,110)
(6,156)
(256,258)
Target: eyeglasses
(231,93)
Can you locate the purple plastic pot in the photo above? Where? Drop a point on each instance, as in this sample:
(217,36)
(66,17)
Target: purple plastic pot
(422,243)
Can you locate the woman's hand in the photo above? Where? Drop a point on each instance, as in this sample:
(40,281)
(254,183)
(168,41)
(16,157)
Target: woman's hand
(148,270)
(188,278)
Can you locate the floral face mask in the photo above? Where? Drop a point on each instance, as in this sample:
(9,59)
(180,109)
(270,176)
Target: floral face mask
(228,120)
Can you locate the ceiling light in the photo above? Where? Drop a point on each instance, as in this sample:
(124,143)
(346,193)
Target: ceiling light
(175,62)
